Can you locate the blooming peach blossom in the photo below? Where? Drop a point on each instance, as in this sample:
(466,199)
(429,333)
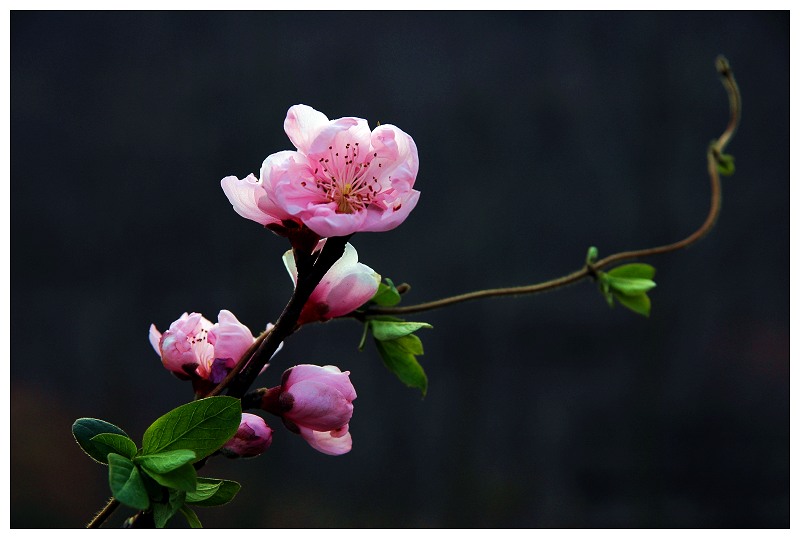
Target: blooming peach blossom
(342,179)
(253,438)
(344,288)
(193,347)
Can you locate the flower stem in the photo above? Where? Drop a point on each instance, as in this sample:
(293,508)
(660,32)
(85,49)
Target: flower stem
(713,154)
(103,514)
(310,272)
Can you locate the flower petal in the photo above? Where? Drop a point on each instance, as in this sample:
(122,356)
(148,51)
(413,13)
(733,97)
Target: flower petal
(244,195)
(302,125)
(325,442)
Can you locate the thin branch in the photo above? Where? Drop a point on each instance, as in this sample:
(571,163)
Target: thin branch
(103,514)
(714,154)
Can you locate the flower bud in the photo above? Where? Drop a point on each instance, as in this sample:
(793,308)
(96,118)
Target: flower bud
(253,438)
(344,288)
(316,403)
(318,398)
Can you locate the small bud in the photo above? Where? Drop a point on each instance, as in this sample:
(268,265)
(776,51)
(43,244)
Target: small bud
(253,438)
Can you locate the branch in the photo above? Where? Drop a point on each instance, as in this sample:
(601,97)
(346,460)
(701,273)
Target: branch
(714,156)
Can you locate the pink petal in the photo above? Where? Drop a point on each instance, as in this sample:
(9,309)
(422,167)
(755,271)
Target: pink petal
(230,338)
(302,125)
(324,442)
(155,338)
(244,195)
(318,405)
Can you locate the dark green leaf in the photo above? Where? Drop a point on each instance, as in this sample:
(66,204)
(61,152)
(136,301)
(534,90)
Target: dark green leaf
(110,442)
(387,295)
(202,426)
(634,271)
(163,512)
(639,304)
(387,331)
(86,428)
(225,491)
(166,461)
(183,478)
(401,361)
(191,517)
(125,482)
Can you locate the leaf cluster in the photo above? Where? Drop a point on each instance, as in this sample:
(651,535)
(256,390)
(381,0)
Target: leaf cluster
(395,340)
(628,285)
(161,476)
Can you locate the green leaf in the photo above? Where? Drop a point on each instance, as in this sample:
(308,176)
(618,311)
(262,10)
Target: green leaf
(634,271)
(387,295)
(166,461)
(399,359)
(86,428)
(191,517)
(629,286)
(202,426)
(183,478)
(387,331)
(224,492)
(110,442)
(639,304)
(126,483)
(725,164)
(163,512)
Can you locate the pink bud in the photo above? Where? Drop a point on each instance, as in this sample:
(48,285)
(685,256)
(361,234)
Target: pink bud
(317,398)
(344,288)
(253,438)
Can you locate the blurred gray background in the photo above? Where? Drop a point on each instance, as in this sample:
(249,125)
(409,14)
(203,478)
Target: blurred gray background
(539,134)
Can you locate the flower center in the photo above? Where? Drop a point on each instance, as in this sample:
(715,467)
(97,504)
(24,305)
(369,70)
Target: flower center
(343,177)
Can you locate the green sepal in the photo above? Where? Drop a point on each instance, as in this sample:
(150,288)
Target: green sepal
(725,164)
(163,512)
(191,517)
(399,357)
(183,478)
(110,442)
(224,491)
(166,461)
(86,428)
(386,295)
(384,330)
(126,483)
(202,426)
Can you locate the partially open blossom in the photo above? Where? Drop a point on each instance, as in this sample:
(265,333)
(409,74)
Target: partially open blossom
(317,403)
(342,179)
(344,288)
(194,348)
(253,438)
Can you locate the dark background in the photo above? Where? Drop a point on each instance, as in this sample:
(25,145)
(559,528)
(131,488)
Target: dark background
(539,134)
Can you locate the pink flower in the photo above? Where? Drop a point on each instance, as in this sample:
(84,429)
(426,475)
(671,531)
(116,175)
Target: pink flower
(317,403)
(344,288)
(253,438)
(342,179)
(193,347)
